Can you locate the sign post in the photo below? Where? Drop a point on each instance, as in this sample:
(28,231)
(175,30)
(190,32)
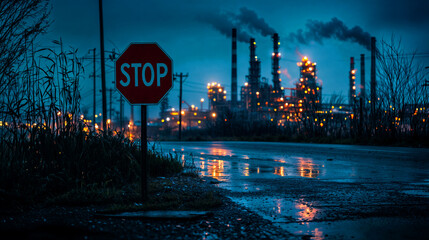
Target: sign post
(144,163)
(144,75)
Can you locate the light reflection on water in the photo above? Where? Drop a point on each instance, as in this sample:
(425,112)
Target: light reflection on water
(233,168)
(307,168)
(211,161)
(282,211)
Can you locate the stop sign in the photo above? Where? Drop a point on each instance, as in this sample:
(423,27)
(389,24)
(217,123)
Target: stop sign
(143,73)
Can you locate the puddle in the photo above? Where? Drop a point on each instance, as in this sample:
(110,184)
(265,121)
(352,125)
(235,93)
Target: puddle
(300,218)
(245,187)
(345,180)
(368,228)
(280,210)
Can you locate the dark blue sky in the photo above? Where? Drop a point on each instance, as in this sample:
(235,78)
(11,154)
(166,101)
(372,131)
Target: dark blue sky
(186,30)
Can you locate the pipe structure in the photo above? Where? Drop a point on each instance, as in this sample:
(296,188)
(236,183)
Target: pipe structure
(234,69)
(352,82)
(276,66)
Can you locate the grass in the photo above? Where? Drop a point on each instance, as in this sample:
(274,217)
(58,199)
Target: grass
(76,167)
(179,194)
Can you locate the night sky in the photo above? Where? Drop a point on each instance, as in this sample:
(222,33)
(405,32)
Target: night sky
(191,33)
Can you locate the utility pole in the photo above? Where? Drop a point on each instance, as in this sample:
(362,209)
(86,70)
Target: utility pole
(110,108)
(94,101)
(103,72)
(121,111)
(182,78)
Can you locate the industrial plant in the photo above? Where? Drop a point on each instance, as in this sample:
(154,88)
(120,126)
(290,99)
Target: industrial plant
(264,101)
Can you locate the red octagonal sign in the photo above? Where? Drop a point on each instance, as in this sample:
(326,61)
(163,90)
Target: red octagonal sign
(144,73)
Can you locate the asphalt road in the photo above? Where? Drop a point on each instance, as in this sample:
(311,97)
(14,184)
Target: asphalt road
(322,191)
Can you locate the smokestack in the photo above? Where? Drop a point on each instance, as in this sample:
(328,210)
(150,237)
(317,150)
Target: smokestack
(352,82)
(254,74)
(373,82)
(362,78)
(234,69)
(275,65)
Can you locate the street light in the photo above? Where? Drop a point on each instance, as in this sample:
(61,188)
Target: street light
(202,100)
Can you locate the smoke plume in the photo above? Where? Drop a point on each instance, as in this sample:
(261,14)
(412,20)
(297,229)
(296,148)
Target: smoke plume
(245,21)
(318,31)
(250,19)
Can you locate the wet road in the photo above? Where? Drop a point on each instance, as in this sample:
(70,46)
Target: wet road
(319,191)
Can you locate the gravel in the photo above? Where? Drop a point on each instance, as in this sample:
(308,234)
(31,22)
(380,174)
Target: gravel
(230,221)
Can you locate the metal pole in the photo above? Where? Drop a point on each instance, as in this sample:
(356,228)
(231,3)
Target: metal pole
(103,73)
(110,107)
(121,112)
(180,109)
(144,162)
(94,106)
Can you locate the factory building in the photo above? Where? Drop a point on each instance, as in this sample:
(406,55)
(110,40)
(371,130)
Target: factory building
(261,101)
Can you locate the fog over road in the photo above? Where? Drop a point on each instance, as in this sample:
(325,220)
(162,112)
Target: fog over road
(322,191)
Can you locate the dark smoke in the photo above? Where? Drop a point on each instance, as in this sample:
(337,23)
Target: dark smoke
(224,23)
(246,20)
(249,18)
(318,31)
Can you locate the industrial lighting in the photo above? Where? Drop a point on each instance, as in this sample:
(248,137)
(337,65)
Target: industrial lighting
(214,115)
